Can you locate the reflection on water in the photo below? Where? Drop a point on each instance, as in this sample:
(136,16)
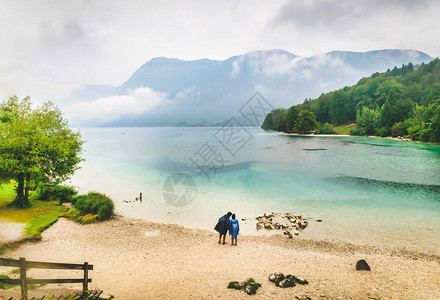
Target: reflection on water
(366,190)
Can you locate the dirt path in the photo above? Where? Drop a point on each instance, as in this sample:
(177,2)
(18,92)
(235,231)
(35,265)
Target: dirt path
(11,231)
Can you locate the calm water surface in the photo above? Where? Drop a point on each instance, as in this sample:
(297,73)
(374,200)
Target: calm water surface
(366,190)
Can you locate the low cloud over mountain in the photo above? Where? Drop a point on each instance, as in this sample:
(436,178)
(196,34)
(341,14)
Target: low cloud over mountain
(168,91)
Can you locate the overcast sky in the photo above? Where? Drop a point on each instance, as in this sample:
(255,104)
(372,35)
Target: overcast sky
(49,48)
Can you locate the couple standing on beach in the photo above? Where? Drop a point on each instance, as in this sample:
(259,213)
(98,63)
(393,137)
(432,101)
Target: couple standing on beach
(224,224)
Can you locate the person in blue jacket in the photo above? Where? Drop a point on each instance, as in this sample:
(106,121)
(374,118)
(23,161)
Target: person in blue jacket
(234,228)
(222,227)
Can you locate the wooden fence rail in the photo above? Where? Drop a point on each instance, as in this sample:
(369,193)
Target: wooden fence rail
(23,281)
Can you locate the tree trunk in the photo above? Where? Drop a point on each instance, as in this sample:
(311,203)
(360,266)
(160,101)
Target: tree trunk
(26,193)
(20,186)
(22,199)
(26,188)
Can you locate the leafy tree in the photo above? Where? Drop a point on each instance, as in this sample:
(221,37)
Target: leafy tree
(434,124)
(268,123)
(282,124)
(36,146)
(366,122)
(306,122)
(291,117)
(271,122)
(339,110)
(398,129)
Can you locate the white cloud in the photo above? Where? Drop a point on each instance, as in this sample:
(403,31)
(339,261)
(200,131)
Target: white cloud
(279,64)
(50,47)
(188,93)
(113,108)
(269,63)
(235,68)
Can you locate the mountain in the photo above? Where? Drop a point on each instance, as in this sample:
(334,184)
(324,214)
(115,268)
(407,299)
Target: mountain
(171,91)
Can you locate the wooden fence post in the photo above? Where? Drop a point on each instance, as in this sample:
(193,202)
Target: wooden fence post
(24,295)
(86,278)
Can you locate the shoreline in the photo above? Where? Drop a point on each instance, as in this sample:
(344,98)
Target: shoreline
(347,135)
(312,134)
(278,236)
(130,262)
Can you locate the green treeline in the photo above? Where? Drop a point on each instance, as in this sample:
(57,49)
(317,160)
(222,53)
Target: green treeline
(400,102)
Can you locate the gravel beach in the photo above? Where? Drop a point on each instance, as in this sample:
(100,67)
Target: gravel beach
(136,259)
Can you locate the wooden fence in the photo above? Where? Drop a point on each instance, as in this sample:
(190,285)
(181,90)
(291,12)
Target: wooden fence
(23,281)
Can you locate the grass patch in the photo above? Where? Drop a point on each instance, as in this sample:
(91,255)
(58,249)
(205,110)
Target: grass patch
(39,224)
(344,129)
(40,216)
(5,286)
(7,194)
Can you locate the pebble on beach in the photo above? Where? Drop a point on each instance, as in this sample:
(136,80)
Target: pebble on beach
(287,222)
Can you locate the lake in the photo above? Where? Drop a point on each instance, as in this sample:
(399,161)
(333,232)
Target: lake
(367,191)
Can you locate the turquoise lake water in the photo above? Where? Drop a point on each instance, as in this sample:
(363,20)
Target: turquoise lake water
(365,190)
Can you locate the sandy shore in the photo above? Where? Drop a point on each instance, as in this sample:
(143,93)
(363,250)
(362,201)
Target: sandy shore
(310,134)
(136,259)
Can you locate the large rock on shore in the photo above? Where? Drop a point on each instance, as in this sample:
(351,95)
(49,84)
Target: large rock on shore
(278,276)
(362,265)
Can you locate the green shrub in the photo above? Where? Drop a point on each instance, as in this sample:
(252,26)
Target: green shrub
(424,135)
(60,193)
(95,204)
(382,132)
(87,219)
(357,131)
(414,132)
(326,128)
(398,129)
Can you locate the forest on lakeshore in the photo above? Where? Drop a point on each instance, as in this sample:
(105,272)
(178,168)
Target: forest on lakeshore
(399,102)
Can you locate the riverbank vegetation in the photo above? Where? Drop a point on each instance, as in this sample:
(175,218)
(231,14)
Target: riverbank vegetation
(91,208)
(36,147)
(45,209)
(399,102)
(41,215)
(61,193)
(38,151)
